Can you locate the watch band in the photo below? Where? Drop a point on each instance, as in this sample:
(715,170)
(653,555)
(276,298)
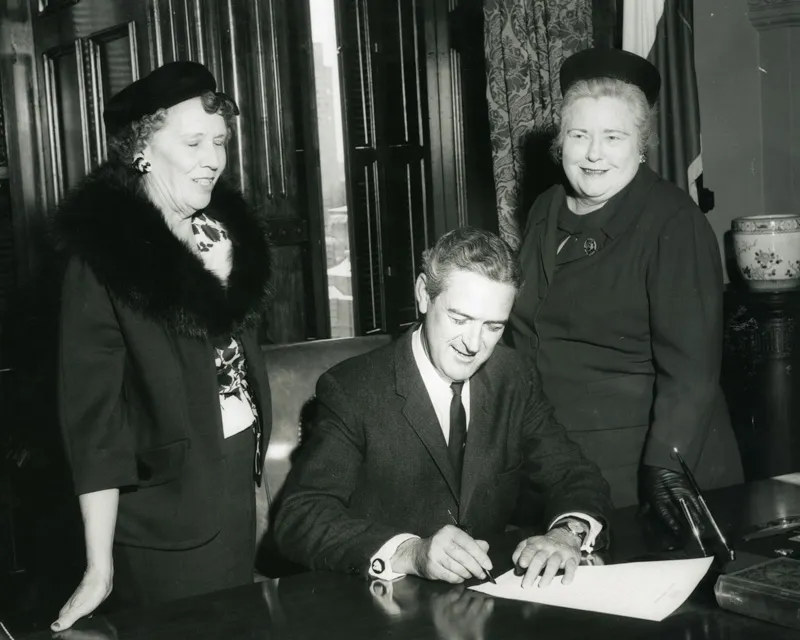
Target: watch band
(574,527)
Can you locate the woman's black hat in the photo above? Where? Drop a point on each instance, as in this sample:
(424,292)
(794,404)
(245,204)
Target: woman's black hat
(165,87)
(611,63)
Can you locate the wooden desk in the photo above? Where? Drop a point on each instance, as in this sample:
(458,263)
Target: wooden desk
(332,606)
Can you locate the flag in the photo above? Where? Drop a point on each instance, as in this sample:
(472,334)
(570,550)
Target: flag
(662,32)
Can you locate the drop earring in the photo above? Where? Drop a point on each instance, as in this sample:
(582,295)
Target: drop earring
(140,165)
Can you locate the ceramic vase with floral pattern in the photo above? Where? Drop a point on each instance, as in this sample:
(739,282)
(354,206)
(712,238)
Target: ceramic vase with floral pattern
(767,250)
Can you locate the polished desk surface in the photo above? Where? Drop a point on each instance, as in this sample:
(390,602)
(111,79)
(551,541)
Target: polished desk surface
(327,605)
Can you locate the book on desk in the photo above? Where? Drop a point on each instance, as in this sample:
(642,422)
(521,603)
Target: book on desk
(768,591)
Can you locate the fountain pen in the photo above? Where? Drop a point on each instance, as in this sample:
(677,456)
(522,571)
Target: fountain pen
(455,522)
(702,502)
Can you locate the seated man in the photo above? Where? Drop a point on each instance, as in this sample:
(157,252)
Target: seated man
(437,430)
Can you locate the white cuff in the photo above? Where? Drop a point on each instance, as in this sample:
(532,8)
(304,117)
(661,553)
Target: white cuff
(594,528)
(380,564)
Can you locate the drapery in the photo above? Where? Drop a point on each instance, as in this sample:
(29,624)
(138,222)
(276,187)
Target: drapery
(525,43)
(663,32)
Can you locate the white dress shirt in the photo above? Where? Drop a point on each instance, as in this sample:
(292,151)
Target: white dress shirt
(441,394)
(438,388)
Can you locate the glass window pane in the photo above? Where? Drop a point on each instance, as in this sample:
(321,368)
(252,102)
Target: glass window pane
(331,164)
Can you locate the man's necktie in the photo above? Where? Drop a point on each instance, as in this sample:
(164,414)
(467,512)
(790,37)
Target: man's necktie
(458,431)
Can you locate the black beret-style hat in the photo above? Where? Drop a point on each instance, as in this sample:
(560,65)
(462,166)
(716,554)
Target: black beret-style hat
(611,63)
(166,86)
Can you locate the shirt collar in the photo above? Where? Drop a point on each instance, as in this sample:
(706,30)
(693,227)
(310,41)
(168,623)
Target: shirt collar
(430,376)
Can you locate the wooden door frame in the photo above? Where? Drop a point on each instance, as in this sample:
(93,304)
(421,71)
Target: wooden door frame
(26,149)
(313,200)
(446,121)
(24,140)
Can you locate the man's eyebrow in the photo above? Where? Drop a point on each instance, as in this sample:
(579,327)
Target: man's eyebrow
(460,313)
(469,317)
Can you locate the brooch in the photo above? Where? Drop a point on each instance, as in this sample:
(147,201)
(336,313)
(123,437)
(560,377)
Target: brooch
(590,246)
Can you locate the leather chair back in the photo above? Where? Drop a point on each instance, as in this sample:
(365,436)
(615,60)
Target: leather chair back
(293,371)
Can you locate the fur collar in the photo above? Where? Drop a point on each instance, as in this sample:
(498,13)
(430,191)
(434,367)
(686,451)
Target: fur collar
(109,223)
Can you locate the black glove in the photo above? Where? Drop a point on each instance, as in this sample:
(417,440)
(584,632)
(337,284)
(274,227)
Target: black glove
(661,490)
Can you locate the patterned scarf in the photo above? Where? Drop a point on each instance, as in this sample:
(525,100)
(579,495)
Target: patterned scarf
(215,248)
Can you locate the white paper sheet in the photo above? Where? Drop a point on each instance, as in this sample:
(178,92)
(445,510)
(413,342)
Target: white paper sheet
(647,590)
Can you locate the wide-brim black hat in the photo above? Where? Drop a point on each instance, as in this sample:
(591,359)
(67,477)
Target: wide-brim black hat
(611,63)
(165,87)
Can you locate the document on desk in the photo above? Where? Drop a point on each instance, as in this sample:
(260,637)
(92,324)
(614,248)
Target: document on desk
(646,590)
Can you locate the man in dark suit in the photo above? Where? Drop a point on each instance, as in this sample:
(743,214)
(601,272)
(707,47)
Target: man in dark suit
(435,429)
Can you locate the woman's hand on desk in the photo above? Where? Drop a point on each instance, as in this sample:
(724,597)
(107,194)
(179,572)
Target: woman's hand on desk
(91,592)
(547,555)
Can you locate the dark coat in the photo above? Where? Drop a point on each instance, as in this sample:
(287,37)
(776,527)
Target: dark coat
(628,340)
(375,463)
(138,392)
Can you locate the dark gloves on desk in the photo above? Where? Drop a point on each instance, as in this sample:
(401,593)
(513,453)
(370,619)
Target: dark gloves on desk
(661,491)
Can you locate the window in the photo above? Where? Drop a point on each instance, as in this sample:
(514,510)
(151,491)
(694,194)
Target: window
(361,111)
(387,145)
(331,167)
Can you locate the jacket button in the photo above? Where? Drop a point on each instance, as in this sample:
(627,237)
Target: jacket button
(354,570)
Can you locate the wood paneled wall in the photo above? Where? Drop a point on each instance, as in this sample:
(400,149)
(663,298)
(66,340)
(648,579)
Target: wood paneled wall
(7,279)
(412,77)
(75,55)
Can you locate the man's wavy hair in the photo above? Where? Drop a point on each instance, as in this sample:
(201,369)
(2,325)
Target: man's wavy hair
(133,138)
(470,249)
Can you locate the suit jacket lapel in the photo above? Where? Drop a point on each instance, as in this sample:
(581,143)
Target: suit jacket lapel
(418,408)
(480,451)
(547,239)
(537,256)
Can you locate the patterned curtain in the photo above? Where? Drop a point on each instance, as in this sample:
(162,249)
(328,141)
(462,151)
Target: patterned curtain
(525,42)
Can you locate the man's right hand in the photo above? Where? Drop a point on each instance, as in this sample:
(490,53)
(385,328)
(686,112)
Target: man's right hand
(450,554)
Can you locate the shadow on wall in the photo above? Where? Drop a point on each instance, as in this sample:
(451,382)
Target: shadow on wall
(39,520)
(540,170)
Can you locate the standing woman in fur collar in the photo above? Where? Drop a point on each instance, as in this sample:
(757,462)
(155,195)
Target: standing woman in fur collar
(164,399)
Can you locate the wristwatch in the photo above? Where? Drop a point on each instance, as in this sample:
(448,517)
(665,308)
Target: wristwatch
(575,527)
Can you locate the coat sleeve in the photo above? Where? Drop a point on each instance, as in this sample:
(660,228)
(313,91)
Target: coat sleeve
(684,285)
(313,526)
(98,442)
(556,467)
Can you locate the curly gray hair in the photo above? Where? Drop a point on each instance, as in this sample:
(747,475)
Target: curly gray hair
(633,96)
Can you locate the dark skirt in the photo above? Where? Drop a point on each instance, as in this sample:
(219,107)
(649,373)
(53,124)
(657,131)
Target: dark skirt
(618,450)
(144,577)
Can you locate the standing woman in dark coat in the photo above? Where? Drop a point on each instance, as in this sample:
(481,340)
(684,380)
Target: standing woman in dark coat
(622,301)
(163,396)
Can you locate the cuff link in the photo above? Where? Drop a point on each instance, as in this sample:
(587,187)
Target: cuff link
(378,566)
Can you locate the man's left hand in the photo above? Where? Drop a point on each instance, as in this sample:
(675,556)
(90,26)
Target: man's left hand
(546,555)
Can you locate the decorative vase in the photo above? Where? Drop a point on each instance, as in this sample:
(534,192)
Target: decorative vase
(767,250)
